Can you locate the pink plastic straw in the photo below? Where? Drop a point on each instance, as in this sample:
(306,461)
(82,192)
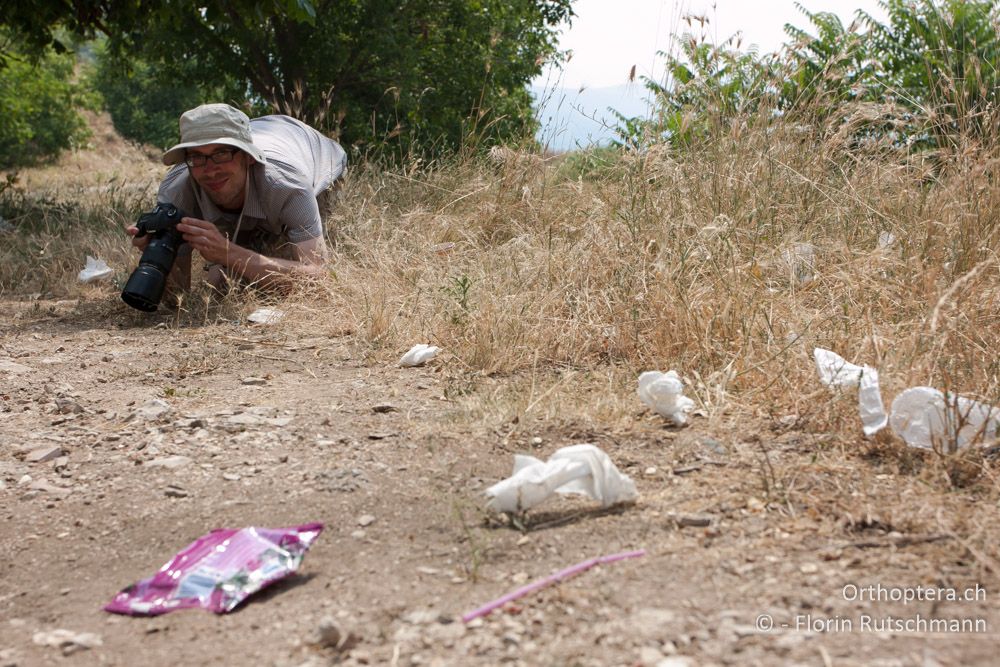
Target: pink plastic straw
(549,580)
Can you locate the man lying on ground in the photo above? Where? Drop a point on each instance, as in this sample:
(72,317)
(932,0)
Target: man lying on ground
(257,193)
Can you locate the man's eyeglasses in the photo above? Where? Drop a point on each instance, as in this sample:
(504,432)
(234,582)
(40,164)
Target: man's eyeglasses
(218,157)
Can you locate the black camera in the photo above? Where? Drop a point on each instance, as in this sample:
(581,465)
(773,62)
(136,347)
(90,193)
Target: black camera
(145,286)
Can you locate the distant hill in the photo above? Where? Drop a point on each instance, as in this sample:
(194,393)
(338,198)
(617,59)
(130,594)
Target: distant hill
(573,118)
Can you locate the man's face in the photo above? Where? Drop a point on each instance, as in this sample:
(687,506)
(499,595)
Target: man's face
(224,183)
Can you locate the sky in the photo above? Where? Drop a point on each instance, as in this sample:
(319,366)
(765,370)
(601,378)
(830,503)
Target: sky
(608,37)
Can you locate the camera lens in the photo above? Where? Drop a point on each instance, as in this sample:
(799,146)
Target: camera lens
(147,283)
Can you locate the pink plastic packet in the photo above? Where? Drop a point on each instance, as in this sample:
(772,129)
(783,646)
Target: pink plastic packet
(219,570)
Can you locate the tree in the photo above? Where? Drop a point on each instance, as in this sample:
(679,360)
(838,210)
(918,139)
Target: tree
(928,77)
(408,73)
(941,59)
(39,102)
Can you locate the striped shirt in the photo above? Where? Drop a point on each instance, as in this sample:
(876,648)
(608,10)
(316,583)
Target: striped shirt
(281,193)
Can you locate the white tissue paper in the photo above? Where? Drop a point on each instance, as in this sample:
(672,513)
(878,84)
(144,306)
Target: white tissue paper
(835,371)
(266,316)
(664,393)
(923,417)
(95,270)
(580,469)
(419,355)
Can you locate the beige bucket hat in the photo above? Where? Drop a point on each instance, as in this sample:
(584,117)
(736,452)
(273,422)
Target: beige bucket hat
(214,124)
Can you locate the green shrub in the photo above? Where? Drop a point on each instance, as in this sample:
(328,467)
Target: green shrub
(40,102)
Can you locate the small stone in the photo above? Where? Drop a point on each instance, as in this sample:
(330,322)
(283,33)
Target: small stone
(755,504)
(649,656)
(366,520)
(692,520)
(169,462)
(358,534)
(809,568)
(383,408)
(242,420)
(330,634)
(380,436)
(714,445)
(175,492)
(421,616)
(11,367)
(650,471)
(153,409)
(536,440)
(51,489)
(676,661)
(68,641)
(253,381)
(230,477)
(44,454)
(68,406)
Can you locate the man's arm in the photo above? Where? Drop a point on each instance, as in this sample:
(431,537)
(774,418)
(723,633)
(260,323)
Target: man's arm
(309,262)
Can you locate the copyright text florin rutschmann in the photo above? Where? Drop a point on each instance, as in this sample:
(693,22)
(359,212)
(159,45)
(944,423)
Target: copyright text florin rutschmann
(916,623)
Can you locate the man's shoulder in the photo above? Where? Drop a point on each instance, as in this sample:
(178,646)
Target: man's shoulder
(279,175)
(276,123)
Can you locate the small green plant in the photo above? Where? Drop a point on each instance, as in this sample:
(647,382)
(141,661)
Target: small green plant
(458,290)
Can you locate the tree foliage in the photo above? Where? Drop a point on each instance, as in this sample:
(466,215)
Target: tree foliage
(927,77)
(403,73)
(39,101)
(400,72)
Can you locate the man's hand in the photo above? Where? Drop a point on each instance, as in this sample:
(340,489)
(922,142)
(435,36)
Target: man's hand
(139,243)
(206,239)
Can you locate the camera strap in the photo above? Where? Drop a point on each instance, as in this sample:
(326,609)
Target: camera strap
(239,220)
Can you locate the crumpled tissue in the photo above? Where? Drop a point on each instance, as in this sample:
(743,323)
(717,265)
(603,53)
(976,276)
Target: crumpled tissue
(664,393)
(835,371)
(923,417)
(266,316)
(419,355)
(95,270)
(580,469)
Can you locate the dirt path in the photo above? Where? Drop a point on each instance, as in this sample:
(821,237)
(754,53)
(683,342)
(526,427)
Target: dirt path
(308,445)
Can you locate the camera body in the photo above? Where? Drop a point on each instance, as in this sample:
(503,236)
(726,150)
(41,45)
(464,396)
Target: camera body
(147,283)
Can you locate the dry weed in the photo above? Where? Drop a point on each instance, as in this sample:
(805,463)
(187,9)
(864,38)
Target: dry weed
(728,263)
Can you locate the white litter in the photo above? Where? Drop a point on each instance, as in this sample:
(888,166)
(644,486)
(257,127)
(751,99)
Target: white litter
(835,371)
(70,642)
(577,469)
(419,355)
(95,270)
(266,316)
(664,393)
(924,417)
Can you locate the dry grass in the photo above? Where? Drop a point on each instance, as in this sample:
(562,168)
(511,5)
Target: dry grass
(728,263)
